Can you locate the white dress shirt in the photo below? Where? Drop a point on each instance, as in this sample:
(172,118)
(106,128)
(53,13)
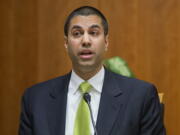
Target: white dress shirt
(74,98)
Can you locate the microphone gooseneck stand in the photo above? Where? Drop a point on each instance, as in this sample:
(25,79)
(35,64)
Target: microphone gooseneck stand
(87,98)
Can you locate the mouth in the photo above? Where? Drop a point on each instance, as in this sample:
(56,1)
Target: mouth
(86,54)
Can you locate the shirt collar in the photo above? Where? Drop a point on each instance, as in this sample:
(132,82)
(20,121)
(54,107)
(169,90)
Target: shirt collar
(96,81)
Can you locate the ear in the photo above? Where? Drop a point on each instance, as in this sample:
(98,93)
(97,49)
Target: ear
(65,42)
(106,42)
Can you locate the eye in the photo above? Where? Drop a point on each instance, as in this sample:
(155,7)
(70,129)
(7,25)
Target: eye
(76,33)
(94,33)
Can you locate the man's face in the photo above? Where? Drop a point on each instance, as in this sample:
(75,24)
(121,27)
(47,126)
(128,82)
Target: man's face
(86,42)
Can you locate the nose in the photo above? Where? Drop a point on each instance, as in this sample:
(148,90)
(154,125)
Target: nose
(86,41)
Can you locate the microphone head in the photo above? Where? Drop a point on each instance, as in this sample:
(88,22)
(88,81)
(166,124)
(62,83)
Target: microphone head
(87,97)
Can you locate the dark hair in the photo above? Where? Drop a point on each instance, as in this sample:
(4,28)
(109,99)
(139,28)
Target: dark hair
(85,11)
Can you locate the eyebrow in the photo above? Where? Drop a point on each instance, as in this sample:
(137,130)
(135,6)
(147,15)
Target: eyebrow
(76,27)
(92,26)
(95,26)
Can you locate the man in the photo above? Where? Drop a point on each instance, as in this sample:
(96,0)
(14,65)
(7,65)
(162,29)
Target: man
(120,105)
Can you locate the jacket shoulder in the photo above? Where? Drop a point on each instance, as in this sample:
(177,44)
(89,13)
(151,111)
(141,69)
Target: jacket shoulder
(131,84)
(47,86)
(128,79)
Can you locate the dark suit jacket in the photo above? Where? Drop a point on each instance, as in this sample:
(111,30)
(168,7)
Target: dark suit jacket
(127,107)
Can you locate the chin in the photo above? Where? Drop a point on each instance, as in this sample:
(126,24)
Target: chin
(89,65)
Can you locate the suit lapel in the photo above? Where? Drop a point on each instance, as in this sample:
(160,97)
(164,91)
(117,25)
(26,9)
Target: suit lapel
(110,104)
(57,106)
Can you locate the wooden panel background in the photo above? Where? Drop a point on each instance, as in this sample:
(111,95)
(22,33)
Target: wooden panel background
(146,33)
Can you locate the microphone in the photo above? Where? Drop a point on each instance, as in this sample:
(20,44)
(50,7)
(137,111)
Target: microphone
(87,98)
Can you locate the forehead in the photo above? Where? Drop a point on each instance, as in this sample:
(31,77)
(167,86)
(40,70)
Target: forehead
(86,21)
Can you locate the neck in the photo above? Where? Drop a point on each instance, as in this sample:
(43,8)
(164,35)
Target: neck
(86,74)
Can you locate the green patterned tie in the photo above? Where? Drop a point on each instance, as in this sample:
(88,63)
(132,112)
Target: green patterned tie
(82,121)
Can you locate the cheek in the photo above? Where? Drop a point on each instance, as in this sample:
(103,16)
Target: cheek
(101,46)
(72,44)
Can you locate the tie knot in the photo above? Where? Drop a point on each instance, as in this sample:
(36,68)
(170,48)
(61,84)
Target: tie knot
(85,87)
